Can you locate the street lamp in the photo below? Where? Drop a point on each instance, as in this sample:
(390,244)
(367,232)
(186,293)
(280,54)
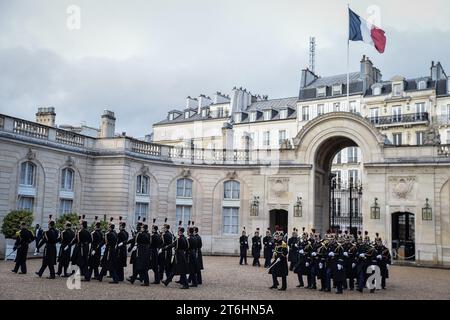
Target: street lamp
(254,206)
(375,210)
(298,208)
(427,212)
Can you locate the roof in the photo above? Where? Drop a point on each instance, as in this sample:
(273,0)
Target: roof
(331,80)
(273,104)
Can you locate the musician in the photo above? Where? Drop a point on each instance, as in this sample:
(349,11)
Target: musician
(268,248)
(256,248)
(83,239)
(65,239)
(165,256)
(155,245)
(279,267)
(49,258)
(199,256)
(122,239)
(141,261)
(243,246)
(23,238)
(191,255)
(95,254)
(293,249)
(179,266)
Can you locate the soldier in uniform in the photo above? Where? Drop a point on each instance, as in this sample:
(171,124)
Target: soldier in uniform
(81,252)
(141,262)
(339,270)
(39,233)
(279,267)
(122,239)
(155,245)
(49,258)
(179,265)
(199,256)
(66,238)
(361,262)
(323,266)
(165,257)
(300,268)
(109,260)
(243,247)
(95,253)
(191,255)
(268,248)
(23,238)
(350,259)
(293,249)
(133,245)
(384,259)
(256,248)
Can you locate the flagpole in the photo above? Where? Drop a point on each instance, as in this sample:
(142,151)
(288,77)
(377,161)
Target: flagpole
(348,57)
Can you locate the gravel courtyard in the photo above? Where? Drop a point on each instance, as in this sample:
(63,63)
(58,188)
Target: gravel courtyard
(223,278)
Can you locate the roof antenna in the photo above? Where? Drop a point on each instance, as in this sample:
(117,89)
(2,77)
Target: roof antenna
(312,54)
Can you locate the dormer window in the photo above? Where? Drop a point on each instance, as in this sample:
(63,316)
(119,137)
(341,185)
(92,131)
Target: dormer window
(422,85)
(377,91)
(253,116)
(170,116)
(237,117)
(204,113)
(337,89)
(321,92)
(267,115)
(397,89)
(283,114)
(186,114)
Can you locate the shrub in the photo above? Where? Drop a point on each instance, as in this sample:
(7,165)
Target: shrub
(11,222)
(68,217)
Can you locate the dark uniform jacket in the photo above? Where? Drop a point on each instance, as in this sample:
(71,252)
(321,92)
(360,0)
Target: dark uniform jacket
(50,239)
(269,245)
(81,252)
(142,257)
(95,253)
(199,251)
(65,238)
(109,259)
(243,242)
(384,261)
(256,247)
(165,257)
(293,249)
(279,266)
(179,265)
(122,239)
(303,258)
(155,245)
(191,254)
(23,238)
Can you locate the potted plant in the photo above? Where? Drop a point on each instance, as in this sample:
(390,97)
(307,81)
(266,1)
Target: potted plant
(11,226)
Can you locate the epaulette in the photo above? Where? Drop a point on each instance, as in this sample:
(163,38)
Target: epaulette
(17,233)
(284,245)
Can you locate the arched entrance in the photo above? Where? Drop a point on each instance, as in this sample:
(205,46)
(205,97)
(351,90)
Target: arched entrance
(317,144)
(278,217)
(403,236)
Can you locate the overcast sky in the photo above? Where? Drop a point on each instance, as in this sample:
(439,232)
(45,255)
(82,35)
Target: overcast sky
(142,58)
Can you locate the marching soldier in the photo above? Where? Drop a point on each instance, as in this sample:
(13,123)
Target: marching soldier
(95,253)
(109,260)
(133,245)
(302,266)
(122,239)
(199,255)
(179,266)
(165,257)
(268,248)
(339,270)
(384,259)
(256,248)
(141,262)
(361,262)
(279,267)
(293,249)
(192,257)
(66,238)
(323,270)
(83,240)
(49,258)
(243,246)
(23,238)
(39,233)
(155,244)
(350,259)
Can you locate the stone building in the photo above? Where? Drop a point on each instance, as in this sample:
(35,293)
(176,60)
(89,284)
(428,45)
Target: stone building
(214,163)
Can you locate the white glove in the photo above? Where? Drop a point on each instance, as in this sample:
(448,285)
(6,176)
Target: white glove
(66,248)
(379,257)
(331,254)
(301,251)
(270,243)
(314,254)
(134,248)
(387,266)
(346,253)
(339,266)
(245,242)
(93,252)
(320,265)
(372,267)
(353,265)
(120,244)
(362,255)
(307,264)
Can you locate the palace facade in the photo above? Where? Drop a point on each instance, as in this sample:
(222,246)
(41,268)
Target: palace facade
(377,160)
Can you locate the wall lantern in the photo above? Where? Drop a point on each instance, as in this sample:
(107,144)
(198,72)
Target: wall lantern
(427,212)
(254,207)
(375,210)
(298,208)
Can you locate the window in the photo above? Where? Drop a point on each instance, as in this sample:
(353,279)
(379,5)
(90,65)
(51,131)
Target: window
(27,174)
(422,85)
(170,116)
(230,220)
(337,90)
(305,113)
(141,210)
(281,136)
(231,190)
(65,206)
(353,176)
(252,116)
(67,179)
(321,92)
(377,91)
(338,177)
(268,115)
(337,207)
(26,203)
(339,158)
(183,213)
(336,106)
(251,140)
(374,115)
(355,207)
(397,114)
(397,137)
(448,112)
(320,109)
(448,137)
(397,89)
(352,155)
(266,138)
(420,136)
(420,111)
(220,112)
(186,114)
(204,113)
(142,185)
(184,188)
(283,114)
(352,107)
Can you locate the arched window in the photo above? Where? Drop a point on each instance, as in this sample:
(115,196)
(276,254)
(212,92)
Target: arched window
(67,179)
(27,174)
(231,190)
(142,185)
(184,188)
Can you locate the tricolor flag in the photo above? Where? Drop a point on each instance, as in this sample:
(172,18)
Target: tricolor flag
(362,30)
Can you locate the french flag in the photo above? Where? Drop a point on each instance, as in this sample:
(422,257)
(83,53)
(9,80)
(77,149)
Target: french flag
(362,30)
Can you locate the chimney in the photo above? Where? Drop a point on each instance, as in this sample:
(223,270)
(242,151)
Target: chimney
(308,77)
(218,97)
(437,71)
(203,101)
(191,102)
(241,99)
(108,126)
(366,73)
(46,116)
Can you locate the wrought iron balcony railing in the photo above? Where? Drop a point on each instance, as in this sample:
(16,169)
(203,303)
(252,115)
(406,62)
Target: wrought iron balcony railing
(400,119)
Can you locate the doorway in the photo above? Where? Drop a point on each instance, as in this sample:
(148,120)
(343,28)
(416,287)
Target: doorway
(278,218)
(403,236)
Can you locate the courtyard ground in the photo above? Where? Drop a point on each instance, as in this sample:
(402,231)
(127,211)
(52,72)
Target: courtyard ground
(223,278)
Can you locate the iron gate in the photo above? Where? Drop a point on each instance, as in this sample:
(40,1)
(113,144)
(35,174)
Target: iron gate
(345,205)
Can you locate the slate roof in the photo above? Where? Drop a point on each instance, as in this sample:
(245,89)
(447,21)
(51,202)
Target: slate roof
(331,80)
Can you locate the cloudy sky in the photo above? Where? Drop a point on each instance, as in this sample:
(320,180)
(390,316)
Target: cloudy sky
(142,58)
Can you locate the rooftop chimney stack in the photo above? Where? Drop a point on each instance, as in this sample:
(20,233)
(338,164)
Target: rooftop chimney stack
(108,127)
(46,116)
(219,97)
(437,71)
(203,101)
(191,103)
(308,77)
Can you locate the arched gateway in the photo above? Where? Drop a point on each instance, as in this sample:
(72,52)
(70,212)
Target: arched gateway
(317,144)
